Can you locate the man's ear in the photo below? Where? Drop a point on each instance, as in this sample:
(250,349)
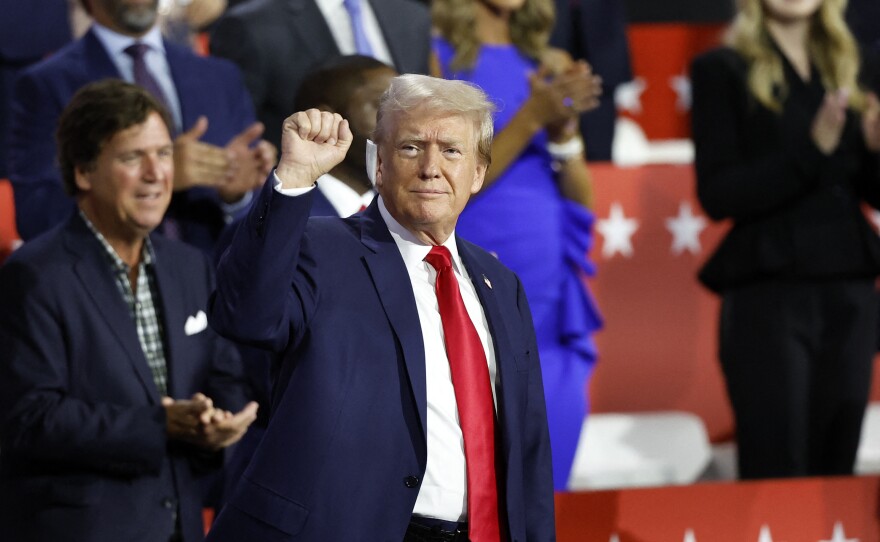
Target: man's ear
(82,178)
(379,167)
(479,177)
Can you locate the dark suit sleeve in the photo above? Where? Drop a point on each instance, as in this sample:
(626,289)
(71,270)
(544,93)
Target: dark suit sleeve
(537,459)
(730,182)
(40,200)
(40,419)
(265,281)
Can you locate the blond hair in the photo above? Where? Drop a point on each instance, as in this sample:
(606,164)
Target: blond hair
(411,91)
(456,21)
(831,47)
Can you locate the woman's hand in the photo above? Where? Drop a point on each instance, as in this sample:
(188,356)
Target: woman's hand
(871,123)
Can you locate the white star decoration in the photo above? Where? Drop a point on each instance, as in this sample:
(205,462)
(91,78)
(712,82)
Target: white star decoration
(689,536)
(838,535)
(685,229)
(628,96)
(617,231)
(681,84)
(614,538)
(764,535)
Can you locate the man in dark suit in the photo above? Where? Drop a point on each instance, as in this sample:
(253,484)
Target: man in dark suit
(276,42)
(398,413)
(211,110)
(113,390)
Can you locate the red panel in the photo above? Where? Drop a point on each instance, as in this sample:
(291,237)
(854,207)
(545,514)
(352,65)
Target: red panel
(802,510)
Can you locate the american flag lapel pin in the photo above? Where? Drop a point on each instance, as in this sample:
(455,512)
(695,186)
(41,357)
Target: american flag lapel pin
(487,281)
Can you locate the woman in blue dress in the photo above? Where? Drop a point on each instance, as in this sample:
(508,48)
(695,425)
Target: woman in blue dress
(533,209)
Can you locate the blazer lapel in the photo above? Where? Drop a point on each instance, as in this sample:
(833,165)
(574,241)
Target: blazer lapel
(98,63)
(173,314)
(389,276)
(505,364)
(93,271)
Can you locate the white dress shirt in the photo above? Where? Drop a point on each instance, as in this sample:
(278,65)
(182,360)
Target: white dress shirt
(345,200)
(115,45)
(340,26)
(443,492)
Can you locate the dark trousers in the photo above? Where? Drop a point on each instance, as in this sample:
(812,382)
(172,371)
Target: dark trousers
(797,359)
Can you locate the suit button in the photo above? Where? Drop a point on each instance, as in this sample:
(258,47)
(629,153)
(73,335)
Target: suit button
(411,481)
(168,502)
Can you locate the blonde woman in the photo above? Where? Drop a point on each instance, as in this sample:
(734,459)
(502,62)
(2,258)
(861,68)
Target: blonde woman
(533,209)
(786,147)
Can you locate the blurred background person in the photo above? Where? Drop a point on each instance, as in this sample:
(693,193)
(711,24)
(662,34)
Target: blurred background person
(786,146)
(219,156)
(276,42)
(112,384)
(595,30)
(533,209)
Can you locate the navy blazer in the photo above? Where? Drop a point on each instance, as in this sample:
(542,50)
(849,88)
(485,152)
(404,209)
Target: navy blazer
(277,42)
(345,451)
(206,86)
(85,455)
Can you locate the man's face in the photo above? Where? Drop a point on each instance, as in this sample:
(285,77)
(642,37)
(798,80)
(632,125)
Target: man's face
(126,192)
(428,169)
(132,17)
(361,113)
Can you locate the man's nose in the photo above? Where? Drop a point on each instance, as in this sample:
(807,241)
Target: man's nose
(153,167)
(430,164)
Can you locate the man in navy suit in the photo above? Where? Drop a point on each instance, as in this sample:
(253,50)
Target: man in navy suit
(216,167)
(373,425)
(115,396)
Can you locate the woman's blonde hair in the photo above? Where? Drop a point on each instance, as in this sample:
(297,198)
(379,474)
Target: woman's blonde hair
(831,47)
(456,20)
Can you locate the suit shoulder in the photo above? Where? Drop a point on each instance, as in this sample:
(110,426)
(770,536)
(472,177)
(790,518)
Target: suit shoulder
(253,9)
(203,65)
(719,59)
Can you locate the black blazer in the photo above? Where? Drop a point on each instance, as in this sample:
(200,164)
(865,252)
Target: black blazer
(276,42)
(796,212)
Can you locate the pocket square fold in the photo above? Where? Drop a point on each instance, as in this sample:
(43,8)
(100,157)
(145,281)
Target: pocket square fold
(195,324)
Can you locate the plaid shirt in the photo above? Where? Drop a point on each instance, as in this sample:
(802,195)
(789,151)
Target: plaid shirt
(141,305)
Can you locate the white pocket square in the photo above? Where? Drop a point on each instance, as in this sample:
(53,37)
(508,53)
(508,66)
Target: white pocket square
(195,324)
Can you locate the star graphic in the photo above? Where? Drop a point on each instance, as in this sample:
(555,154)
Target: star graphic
(628,96)
(689,536)
(681,84)
(614,538)
(764,535)
(617,231)
(685,229)
(838,535)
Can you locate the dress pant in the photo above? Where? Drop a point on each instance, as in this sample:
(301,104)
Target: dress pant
(797,358)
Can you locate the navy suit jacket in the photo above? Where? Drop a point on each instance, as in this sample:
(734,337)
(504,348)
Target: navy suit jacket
(206,86)
(345,451)
(85,455)
(276,43)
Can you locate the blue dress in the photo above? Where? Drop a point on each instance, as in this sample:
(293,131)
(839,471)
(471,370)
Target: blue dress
(524,219)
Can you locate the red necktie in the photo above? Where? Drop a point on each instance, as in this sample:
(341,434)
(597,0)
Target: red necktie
(473,395)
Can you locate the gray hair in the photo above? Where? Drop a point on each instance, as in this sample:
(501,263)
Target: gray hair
(410,91)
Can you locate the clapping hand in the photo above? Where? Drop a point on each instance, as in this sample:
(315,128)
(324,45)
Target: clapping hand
(312,143)
(197,422)
(871,123)
(829,121)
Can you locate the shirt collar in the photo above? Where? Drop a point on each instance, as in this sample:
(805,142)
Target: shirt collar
(116,43)
(412,249)
(147,253)
(344,199)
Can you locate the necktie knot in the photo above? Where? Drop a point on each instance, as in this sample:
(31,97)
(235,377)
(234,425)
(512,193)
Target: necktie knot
(439,258)
(137,50)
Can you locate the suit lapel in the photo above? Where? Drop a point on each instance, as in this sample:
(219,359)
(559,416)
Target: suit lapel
(172,316)
(189,91)
(389,274)
(306,17)
(96,277)
(386,17)
(505,364)
(98,63)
